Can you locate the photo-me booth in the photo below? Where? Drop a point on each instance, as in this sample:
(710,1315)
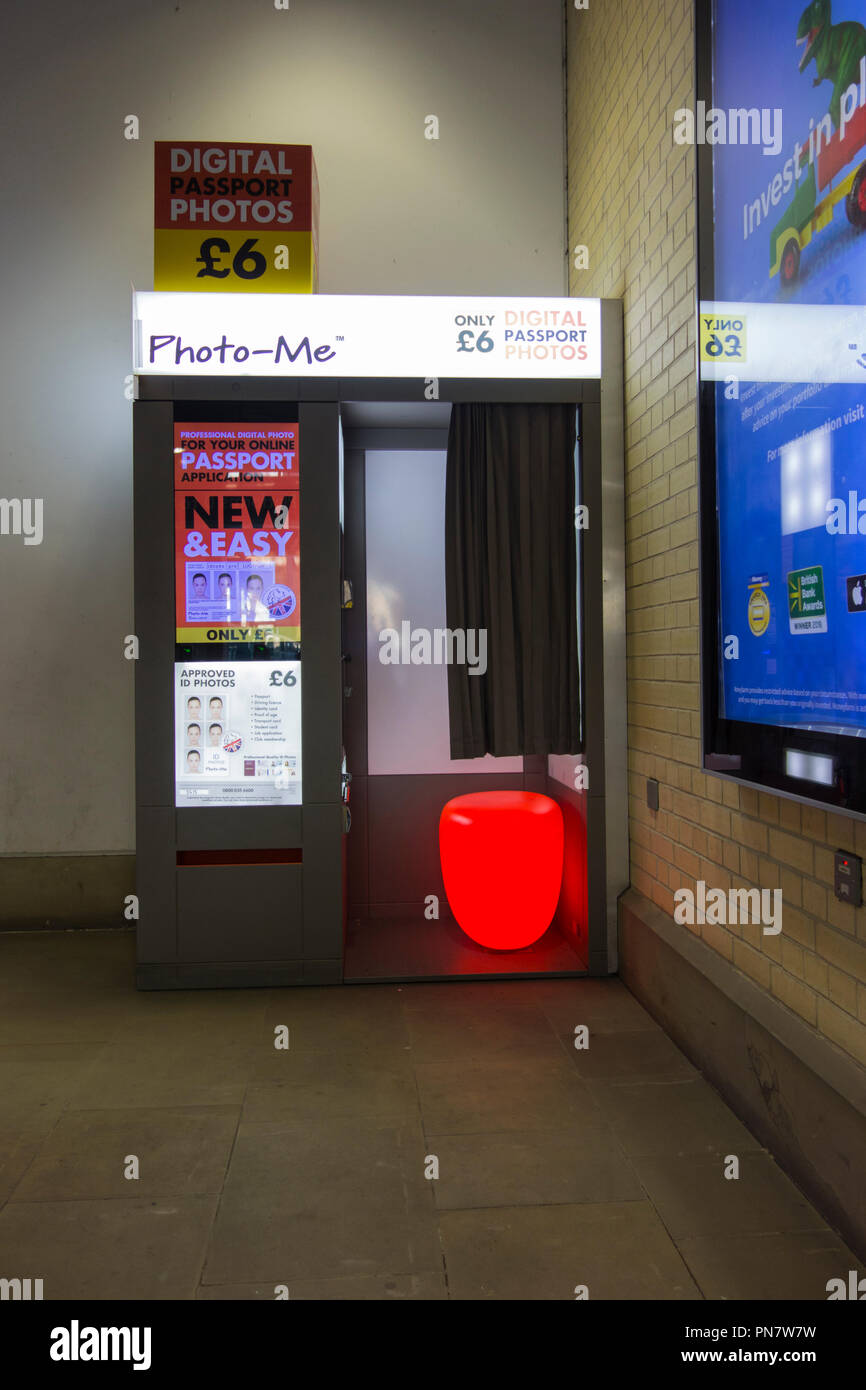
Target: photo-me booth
(379,577)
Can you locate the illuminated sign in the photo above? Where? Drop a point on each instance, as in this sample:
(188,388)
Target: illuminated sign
(238,733)
(237,595)
(789,342)
(782,352)
(235,218)
(365,336)
(237,533)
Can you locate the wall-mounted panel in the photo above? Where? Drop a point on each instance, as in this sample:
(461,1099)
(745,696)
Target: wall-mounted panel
(230,914)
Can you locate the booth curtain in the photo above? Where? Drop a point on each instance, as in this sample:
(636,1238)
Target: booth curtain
(511,569)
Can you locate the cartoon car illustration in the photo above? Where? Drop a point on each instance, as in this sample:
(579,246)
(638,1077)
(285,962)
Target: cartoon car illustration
(807,215)
(837,51)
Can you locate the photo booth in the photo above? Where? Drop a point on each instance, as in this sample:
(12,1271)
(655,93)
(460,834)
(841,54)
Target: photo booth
(366,531)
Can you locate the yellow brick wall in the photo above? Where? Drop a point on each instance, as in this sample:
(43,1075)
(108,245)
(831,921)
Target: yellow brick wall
(631,202)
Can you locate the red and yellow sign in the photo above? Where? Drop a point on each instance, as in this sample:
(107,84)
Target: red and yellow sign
(235,218)
(237,533)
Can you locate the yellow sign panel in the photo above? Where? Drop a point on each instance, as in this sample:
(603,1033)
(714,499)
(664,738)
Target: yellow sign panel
(722,337)
(270,262)
(237,633)
(235,217)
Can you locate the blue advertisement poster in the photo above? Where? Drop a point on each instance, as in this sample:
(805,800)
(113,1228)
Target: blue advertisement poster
(788,130)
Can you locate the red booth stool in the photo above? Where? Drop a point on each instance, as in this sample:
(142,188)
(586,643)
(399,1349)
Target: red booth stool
(501,856)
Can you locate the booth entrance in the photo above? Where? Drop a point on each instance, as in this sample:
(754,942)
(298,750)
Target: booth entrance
(302,847)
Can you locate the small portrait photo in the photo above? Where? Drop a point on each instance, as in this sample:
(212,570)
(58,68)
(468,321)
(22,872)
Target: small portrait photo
(215,707)
(199,585)
(193,735)
(193,760)
(253,593)
(215,735)
(193,707)
(225,586)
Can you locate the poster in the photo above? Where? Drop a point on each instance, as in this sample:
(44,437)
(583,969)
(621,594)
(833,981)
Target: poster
(238,733)
(237,534)
(236,218)
(788,129)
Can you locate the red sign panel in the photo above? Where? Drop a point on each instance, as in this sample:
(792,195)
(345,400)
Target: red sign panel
(204,187)
(237,533)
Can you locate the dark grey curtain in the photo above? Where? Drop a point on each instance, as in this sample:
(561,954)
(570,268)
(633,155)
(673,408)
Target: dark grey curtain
(510,568)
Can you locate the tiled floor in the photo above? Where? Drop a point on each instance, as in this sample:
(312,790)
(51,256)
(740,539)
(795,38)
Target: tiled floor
(308,1167)
(395,948)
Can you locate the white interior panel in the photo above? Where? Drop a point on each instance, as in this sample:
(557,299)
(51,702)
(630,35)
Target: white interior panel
(407,705)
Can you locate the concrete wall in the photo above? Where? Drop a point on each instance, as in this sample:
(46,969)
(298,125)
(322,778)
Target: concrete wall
(631,202)
(480,210)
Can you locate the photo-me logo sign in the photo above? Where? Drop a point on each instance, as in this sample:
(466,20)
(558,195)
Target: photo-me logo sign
(365,336)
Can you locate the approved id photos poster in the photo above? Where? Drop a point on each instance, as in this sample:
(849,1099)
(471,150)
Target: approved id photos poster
(238,733)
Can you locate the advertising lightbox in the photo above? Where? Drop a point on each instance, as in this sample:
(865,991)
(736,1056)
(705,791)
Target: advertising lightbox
(319,335)
(235,218)
(781,132)
(237,602)
(237,533)
(238,733)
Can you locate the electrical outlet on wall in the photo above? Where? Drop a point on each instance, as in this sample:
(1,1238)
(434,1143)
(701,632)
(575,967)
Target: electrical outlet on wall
(848,878)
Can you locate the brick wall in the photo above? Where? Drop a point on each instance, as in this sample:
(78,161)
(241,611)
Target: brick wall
(631,202)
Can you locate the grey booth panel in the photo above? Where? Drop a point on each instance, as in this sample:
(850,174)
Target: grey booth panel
(154,720)
(366,388)
(225,390)
(323,883)
(154,883)
(357,850)
(505,389)
(154,626)
(224,975)
(321,624)
(263,901)
(254,827)
(323,972)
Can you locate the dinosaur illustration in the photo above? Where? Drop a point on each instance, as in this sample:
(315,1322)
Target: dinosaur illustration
(837,51)
(835,48)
